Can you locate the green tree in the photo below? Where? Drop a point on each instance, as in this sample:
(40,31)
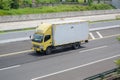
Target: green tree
(98,1)
(5,4)
(15,4)
(85,1)
(27,2)
(47,1)
(90,2)
(74,0)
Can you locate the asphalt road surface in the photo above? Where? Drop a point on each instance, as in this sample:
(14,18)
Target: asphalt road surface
(26,44)
(17,62)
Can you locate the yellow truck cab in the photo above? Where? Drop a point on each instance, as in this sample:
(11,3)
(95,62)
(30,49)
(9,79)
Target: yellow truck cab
(49,36)
(42,38)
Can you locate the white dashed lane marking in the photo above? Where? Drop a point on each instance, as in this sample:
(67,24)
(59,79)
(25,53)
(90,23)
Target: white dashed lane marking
(91,35)
(99,34)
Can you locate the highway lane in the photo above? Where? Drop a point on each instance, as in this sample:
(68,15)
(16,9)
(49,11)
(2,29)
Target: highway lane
(81,73)
(15,46)
(29,66)
(24,35)
(104,23)
(26,45)
(18,60)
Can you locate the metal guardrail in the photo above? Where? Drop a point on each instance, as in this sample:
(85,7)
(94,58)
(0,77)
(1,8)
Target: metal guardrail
(101,75)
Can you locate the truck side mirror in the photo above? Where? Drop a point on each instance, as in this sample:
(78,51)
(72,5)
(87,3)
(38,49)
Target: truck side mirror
(30,36)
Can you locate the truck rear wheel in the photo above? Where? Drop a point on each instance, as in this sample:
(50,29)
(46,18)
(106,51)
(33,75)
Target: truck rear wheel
(76,45)
(48,51)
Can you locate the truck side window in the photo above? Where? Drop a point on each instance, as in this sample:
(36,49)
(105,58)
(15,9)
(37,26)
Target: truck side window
(47,37)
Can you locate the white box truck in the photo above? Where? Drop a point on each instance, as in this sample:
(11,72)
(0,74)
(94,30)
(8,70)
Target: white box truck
(49,36)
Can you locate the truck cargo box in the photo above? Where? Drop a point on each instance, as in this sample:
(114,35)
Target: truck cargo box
(69,32)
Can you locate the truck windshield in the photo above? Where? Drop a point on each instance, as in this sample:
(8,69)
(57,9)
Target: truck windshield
(37,38)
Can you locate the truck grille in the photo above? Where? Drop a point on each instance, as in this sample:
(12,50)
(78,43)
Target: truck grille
(36,46)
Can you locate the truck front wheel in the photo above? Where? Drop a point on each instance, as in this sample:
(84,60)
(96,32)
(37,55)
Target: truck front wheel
(48,51)
(37,52)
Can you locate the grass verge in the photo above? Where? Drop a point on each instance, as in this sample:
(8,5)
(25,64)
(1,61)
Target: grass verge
(52,9)
(118,39)
(118,17)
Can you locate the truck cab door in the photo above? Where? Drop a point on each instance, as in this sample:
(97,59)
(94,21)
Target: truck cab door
(47,41)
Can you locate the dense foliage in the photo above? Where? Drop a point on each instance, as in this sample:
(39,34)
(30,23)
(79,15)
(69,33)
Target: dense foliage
(18,7)
(5,4)
(15,4)
(51,9)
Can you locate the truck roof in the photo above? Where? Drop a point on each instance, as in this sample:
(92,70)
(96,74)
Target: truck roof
(43,27)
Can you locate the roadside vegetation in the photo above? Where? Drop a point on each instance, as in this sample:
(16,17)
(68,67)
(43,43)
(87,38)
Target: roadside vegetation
(19,7)
(118,38)
(117,62)
(118,17)
(51,9)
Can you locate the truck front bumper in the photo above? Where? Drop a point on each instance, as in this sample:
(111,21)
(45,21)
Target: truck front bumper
(37,49)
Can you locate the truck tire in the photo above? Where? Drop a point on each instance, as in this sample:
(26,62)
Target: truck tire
(37,52)
(48,51)
(76,45)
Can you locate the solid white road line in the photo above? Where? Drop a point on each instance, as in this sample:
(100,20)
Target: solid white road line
(73,68)
(92,35)
(93,49)
(10,67)
(99,34)
(9,54)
